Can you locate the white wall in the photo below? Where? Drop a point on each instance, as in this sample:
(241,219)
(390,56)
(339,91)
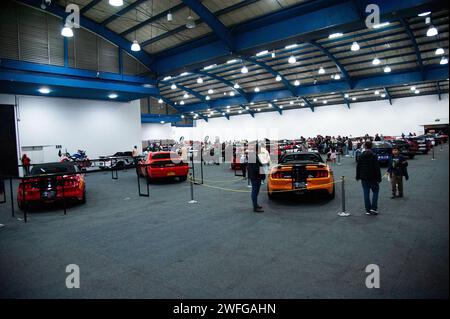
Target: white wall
(99,127)
(156,131)
(405,115)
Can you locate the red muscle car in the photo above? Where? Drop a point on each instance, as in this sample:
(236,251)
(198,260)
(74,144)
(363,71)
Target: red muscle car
(37,188)
(163,165)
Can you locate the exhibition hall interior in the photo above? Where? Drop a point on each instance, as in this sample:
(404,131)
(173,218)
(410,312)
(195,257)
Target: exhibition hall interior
(211,149)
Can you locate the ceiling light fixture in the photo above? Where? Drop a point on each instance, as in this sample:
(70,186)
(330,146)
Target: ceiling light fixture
(182,102)
(424,14)
(321,70)
(376,61)
(335,35)
(210,91)
(190,22)
(381,25)
(278,78)
(257,89)
(44,90)
(113,96)
(387,69)
(169,17)
(355,46)
(186,96)
(443,61)
(262,53)
(199,80)
(337,77)
(244,70)
(292,59)
(297,83)
(67,31)
(439,51)
(207,98)
(160,101)
(116,3)
(236,86)
(135,47)
(291,46)
(231,93)
(173,86)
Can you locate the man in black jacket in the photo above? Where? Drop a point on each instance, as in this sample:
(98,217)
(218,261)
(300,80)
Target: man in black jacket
(254,169)
(368,171)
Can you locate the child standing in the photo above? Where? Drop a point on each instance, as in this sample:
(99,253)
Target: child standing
(397,169)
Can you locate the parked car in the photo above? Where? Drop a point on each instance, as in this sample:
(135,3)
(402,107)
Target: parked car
(404,148)
(301,173)
(119,160)
(383,150)
(37,188)
(164,165)
(424,145)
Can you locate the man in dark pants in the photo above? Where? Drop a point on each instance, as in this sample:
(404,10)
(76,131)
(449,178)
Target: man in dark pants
(254,167)
(368,171)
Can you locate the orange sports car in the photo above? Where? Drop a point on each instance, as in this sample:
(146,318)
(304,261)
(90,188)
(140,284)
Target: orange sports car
(301,173)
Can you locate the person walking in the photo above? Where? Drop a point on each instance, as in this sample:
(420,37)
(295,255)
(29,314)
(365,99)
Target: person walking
(135,155)
(26,162)
(254,169)
(397,169)
(243,163)
(369,173)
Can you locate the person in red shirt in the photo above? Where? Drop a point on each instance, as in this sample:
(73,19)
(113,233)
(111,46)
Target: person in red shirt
(26,161)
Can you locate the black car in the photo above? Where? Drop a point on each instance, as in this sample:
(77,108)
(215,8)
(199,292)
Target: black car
(404,148)
(382,149)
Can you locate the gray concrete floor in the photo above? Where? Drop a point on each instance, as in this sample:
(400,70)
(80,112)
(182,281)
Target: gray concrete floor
(162,247)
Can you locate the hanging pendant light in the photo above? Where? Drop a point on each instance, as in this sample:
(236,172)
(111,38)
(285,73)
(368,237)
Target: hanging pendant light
(135,46)
(190,23)
(116,3)
(67,31)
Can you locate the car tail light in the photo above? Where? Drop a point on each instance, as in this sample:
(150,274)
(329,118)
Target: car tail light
(71,181)
(318,174)
(280,175)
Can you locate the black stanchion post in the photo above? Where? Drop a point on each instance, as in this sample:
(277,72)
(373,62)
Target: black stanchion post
(432,152)
(2,183)
(12,198)
(201,164)
(192,201)
(343,213)
(24,202)
(64,197)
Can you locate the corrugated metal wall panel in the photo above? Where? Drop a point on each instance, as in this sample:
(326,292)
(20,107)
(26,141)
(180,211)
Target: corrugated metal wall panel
(56,42)
(9,43)
(33,37)
(86,48)
(108,56)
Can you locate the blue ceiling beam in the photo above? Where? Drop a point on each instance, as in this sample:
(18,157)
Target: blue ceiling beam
(122,12)
(89,6)
(152,19)
(308,103)
(415,45)
(276,107)
(339,66)
(375,81)
(186,89)
(346,100)
(224,81)
(55,9)
(158,118)
(212,21)
(438,87)
(252,114)
(219,13)
(388,96)
(270,70)
(311,20)
(28,83)
(62,70)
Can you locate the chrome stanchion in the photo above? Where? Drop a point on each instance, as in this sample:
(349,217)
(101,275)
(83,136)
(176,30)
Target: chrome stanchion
(192,201)
(343,213)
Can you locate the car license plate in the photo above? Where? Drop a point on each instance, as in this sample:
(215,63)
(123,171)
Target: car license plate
(171,174)
(48,194)
(298,185)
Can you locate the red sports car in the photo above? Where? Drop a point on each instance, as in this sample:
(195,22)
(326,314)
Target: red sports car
(162,165)
(41,189)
